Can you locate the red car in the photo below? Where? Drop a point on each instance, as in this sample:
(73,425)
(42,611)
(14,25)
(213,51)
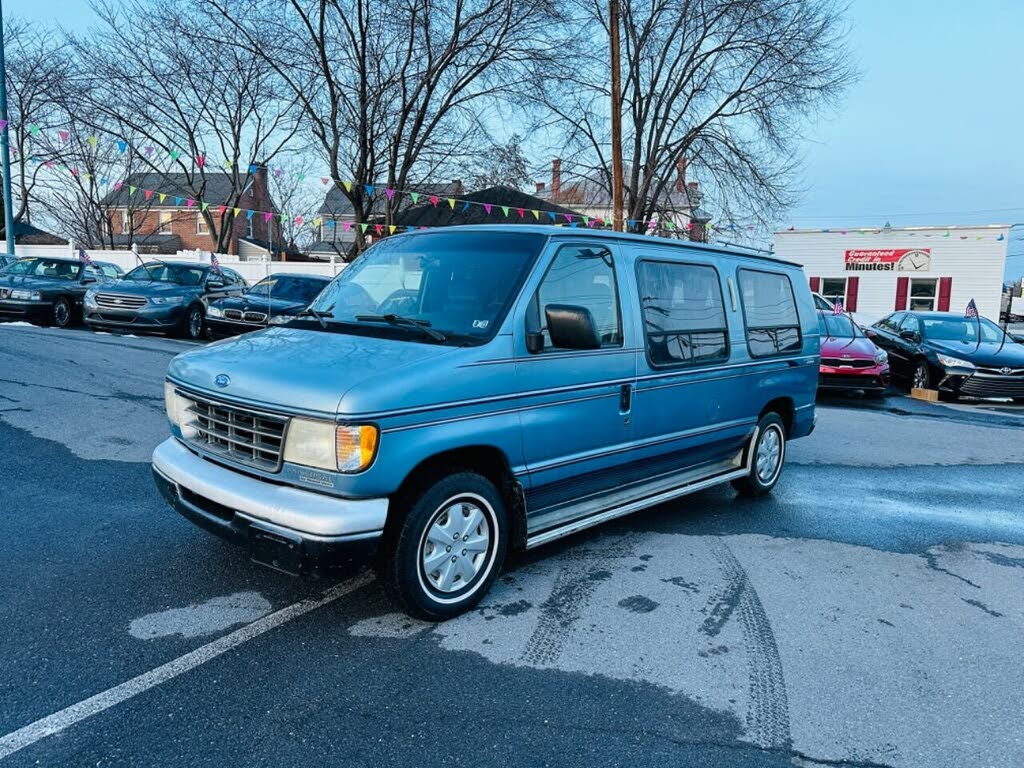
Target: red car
(849,359)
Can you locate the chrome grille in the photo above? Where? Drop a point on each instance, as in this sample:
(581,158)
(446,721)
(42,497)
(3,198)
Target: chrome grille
(117,301)
(249,437)
(1000,372)
(233,314)
(255,317)
(984,385)
(835,362)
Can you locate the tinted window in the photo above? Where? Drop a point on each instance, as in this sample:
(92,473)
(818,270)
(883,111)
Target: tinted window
(56,269)
(584,277)
(769,307)
(962,329)
(891,323)
(821,303)
(110,270)
(683,313)
(298,289)
(167,273)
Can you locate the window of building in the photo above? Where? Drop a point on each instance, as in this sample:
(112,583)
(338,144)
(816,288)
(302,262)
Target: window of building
(248,227)
(834,289)
(127,222)
(922,294)
(166,218)
(583,276)
(201,226)
(769,307)
(683,313)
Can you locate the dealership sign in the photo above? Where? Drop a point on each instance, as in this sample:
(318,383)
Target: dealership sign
(889,260)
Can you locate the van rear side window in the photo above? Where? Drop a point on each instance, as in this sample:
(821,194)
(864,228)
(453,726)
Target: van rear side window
(683,313)
(769,308)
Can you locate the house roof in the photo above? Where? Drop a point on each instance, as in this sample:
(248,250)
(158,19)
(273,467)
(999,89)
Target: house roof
(217,188)
(429,215)
(591,192)
(27,234)
(336,204)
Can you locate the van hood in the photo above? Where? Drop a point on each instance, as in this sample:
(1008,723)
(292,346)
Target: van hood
(296,369)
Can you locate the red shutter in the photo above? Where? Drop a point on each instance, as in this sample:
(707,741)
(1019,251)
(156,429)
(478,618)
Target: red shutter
(815,284)
(945,289)
(852,283)
(902,288)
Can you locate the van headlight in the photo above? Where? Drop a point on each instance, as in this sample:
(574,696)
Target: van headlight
(325,445)
(175,405)
(954,362)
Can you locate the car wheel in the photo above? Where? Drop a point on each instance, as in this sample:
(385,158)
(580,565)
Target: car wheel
(767,455)
(194,323)
(61,313)
(449,547)
(921,378)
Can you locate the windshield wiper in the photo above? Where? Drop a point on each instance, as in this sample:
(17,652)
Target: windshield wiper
(408,322)
(310,312)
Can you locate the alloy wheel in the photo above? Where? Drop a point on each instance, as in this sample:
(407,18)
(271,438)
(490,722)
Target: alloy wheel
(61,313)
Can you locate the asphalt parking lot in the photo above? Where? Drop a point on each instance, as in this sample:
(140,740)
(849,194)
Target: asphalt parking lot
(869,613)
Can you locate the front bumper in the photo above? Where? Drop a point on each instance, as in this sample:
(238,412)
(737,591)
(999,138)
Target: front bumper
(874,379)
(286,528)
(17,309)
(983,385)
(150,317)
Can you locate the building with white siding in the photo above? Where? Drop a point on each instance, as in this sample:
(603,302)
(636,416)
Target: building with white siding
(876,271)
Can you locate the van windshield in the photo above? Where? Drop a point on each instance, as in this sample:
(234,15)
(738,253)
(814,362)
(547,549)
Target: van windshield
(459,285)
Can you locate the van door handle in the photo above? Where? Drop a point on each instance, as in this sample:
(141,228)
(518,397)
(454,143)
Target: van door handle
(625,398)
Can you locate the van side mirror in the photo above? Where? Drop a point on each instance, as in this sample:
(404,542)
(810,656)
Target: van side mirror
(571,327)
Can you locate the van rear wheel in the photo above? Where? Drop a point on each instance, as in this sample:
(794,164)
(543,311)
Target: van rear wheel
(449,548)
(765,457)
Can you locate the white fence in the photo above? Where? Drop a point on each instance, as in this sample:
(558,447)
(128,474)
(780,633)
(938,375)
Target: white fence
(252,271)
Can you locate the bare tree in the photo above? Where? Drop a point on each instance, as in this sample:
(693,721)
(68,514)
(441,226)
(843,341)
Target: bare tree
(503,165)
(392,90)
(723,85)
(180,106)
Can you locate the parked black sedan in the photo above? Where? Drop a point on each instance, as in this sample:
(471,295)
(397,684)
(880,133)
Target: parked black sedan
(50,291)
(274,300)
(166,297)
(956,355)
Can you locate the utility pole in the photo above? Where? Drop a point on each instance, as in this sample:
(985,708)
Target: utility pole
(613,23)
(4,148)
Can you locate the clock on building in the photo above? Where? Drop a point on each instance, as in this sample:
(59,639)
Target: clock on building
(915,261)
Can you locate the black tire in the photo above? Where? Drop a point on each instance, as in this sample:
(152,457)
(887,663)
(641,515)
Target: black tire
(921,377)
(189,329)
(61,314)
(757,482)
(408,548)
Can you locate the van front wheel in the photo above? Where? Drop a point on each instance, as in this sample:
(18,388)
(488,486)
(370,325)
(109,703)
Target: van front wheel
(449,549)
(766,456)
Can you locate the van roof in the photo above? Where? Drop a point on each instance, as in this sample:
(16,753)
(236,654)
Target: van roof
(551,230)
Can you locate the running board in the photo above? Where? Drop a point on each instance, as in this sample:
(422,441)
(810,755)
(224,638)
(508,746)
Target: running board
(610,514)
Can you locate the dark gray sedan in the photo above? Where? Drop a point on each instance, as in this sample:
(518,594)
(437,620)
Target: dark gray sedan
(165,297)
(50,291)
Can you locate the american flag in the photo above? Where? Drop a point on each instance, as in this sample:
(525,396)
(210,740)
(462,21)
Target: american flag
(83,257)
(214,263)
(972,309)
(837,308)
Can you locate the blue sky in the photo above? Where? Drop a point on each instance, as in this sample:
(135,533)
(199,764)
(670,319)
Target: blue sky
(932,134)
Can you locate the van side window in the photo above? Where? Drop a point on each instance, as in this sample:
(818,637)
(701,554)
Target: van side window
(769,307)
(683,313)
(584,277)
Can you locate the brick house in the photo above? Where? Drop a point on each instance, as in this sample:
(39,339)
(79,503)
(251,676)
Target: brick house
(163,221)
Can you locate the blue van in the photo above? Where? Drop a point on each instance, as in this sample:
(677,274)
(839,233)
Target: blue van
(457,393)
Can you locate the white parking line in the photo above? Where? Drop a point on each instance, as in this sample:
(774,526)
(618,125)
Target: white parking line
(59,721)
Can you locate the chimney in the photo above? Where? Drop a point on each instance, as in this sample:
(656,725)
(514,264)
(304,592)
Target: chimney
(556,178)
(540,186)
(457,183)
(681,181)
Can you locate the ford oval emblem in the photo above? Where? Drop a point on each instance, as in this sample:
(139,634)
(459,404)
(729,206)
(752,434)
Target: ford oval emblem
(222,380)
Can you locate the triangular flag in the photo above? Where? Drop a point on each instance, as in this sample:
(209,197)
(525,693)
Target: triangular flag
(325,180)
(568,217)
(551,215)
(348,185)
(200,160)
(236,211)
(586,221)
(177,200)
(122,146)
(162,197)
(451,203)
(3,124)
(221,209)
(278,172)
(253,168)
(487,207)
(434,199)
(228,164)
(379,229)
(465,206)
(363,227)
(301,177)
(283,217)
(504,209)
(267,216)
(117,184)
(148,151)
(104,181)
(389,192)
(175,154)
(391,229)
(93,141)
(205,206)
(316,222)
(33,129)
(131,189)
(330,223)
(63,135)
(536,214)
(149,194)
(346,225)
(369,189)
(415,197)
(249,213)
(298,221)
(521,212)
(189,203)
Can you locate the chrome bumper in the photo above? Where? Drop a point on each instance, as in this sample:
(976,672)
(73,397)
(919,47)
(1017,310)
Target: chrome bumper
(304,513)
